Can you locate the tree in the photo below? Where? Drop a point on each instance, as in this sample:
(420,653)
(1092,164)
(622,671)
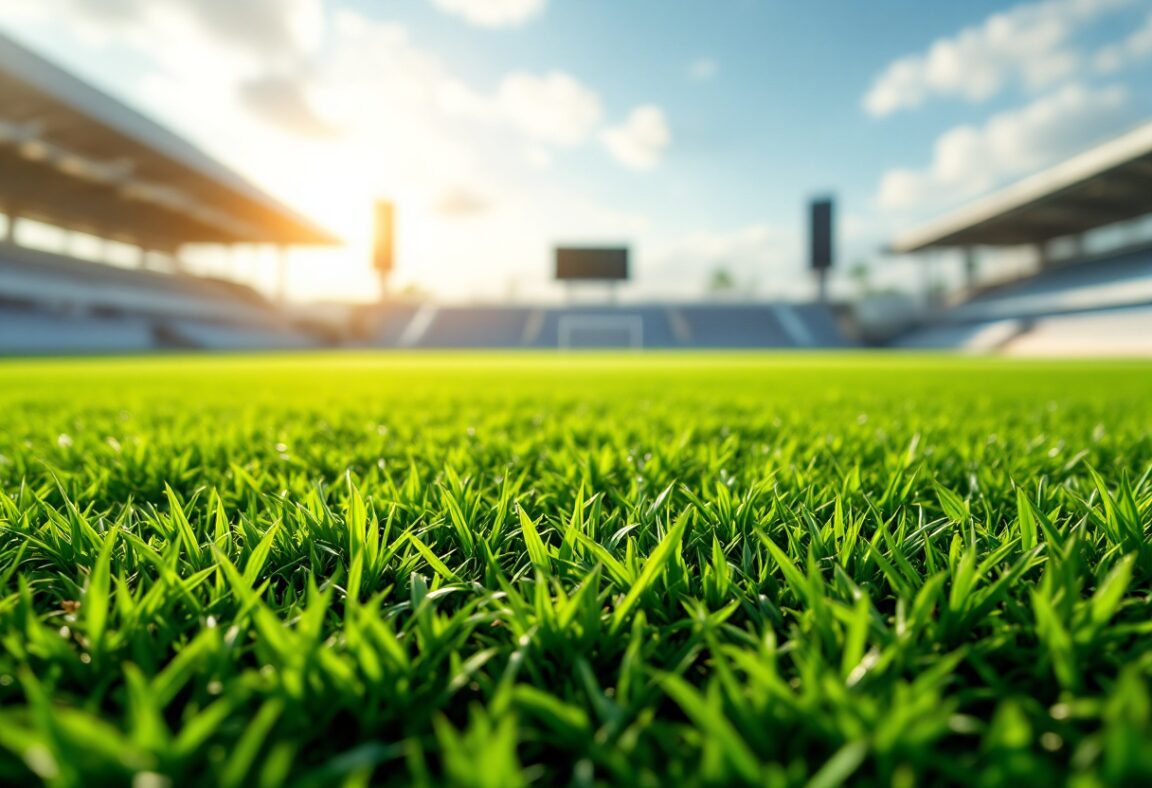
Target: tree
(721,281)
(861,274)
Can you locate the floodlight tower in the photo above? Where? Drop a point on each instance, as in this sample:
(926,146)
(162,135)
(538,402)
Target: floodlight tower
(384,244)
(821,249)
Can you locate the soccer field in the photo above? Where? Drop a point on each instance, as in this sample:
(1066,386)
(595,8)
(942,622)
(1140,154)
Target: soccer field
(624,569)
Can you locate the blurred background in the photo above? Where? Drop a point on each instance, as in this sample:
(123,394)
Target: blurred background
(219,175)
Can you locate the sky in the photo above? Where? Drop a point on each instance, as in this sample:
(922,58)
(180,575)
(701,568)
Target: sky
(694,131)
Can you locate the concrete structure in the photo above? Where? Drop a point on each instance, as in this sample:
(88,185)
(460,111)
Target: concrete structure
(78,160)
(1102,186)
(1102,301)
(664,326)
(54,303)
(75,158)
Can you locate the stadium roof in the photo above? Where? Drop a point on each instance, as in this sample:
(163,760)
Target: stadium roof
(74,157)
(1107,184)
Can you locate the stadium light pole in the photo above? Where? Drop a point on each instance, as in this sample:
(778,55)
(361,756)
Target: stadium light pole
(384,244)
(821,242)
(970,267)
(12,216)
(925,261)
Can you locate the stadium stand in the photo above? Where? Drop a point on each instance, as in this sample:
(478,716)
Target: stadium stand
(381,325)
(1114,332)
(980,337)
(460,327)
(75,159)
(1097,283)
(33,331)
(1100,301)
(49,302)
(734,326)
(64,283)
(215,336)
(650,326)
(1102,186)
(1012,317)
(822,324)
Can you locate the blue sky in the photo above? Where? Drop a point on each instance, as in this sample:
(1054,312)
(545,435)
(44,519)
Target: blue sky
(694,130)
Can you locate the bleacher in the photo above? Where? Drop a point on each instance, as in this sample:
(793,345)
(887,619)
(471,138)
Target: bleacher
(24,330)
(1097,283)
(1112,332)
(53,303)
(76,160)
(473,327)
(649,326)
(822,325)
(979,337)
(1102,302)
(382,324)
(1100,195)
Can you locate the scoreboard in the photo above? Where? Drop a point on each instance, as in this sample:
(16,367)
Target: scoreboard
(591,264)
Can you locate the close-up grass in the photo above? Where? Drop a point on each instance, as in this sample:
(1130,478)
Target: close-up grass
(498,570)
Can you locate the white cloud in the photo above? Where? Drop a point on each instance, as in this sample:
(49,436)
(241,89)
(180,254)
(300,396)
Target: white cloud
(281,30)
(376,77)
(492,13)
(968,160)
(554,108)
(539,157)
(377,90)
(703,69)
(1133,49)
(640,142)
(283,100)
(260,49)
(1029,45)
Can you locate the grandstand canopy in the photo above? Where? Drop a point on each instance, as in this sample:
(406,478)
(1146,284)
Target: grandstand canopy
(74,157)
(1107,184)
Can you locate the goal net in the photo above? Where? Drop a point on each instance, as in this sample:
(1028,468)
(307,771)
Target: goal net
(601,331)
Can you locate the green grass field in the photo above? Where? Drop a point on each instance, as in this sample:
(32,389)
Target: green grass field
(643,570)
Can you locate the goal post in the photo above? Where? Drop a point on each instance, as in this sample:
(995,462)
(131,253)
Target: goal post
(600,331)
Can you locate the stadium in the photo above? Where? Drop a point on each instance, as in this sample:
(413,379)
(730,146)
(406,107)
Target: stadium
(595,535)
(111,173)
